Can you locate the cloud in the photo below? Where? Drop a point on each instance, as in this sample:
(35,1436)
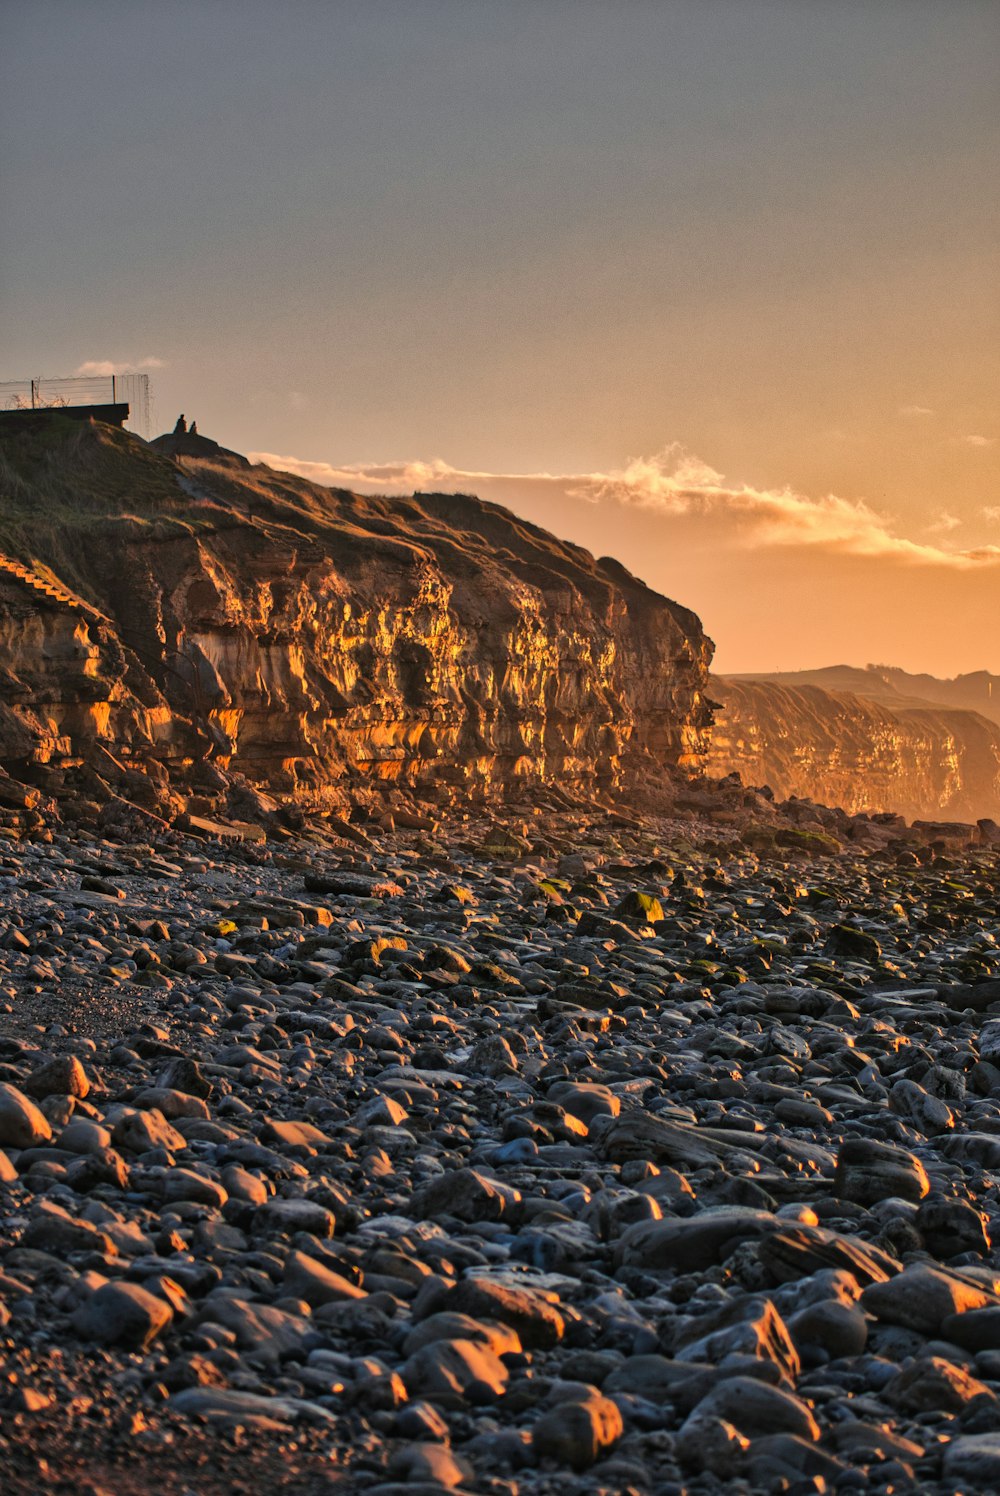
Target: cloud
(676,484)
(991,511)
(979,441)
(108,366)
(911,411)
(943,525)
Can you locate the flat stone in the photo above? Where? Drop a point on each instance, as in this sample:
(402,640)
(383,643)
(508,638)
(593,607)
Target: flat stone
(228,1405)
(687,1245)
(795,1252)
(286,1216)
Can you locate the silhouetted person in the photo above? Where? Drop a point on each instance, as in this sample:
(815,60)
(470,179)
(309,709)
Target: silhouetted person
(181,426)
(194,429)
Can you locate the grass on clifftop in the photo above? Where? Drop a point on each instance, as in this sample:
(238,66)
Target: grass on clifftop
(61,476)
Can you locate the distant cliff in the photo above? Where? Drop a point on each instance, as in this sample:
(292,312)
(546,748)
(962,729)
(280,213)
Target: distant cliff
(978,691)
(167,620)
(924,761)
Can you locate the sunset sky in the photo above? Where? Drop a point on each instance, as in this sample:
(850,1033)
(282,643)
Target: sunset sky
(708,285)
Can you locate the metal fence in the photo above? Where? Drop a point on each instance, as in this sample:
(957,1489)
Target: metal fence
(94,389)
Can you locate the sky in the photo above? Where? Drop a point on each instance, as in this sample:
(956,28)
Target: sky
(711,286)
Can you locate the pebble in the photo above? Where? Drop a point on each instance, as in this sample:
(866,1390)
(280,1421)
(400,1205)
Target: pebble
(560,1156)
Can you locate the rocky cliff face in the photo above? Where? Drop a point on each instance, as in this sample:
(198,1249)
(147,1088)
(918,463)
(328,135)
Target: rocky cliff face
(164,618)
(924,762)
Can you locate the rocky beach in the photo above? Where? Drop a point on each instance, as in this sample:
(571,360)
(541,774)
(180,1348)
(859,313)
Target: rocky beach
(499,749)
(579,1151)
(417,1074)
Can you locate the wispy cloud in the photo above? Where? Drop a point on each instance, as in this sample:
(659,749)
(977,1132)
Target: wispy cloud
(979,441)
(911,411)
(106,366)
(943,525)
(678,485)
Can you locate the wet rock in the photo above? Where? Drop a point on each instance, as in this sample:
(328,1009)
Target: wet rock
(229,1405)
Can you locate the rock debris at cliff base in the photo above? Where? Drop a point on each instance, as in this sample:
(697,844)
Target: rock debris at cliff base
(640,1162)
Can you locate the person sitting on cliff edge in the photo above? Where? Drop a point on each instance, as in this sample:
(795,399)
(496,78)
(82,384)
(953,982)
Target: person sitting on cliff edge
(181,426)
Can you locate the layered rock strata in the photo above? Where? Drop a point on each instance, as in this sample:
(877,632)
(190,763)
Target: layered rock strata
(163,613)
(923,762)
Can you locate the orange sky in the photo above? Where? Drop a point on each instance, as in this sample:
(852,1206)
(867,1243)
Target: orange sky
(781,580)
(727,271)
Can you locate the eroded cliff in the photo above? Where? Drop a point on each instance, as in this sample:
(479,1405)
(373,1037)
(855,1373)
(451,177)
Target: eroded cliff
(174,621)
(924,762)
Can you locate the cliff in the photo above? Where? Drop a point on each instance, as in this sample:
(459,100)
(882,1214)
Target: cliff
(922,760)
(979,691)
(170,621)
